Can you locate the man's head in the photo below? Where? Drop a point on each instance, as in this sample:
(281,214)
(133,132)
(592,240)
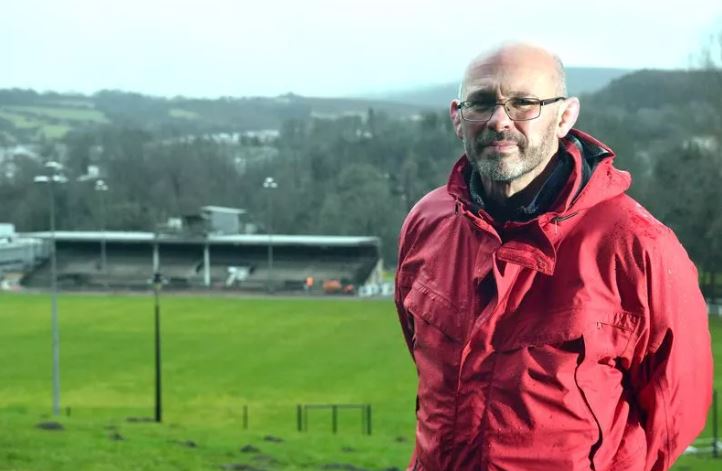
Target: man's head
(506,150)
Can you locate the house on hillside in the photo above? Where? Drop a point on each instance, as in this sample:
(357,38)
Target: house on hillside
(10,156)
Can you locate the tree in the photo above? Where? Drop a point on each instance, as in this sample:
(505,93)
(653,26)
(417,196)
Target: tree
(361,204)
(686,197)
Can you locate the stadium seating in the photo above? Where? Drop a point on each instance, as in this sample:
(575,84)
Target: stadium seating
(232,267)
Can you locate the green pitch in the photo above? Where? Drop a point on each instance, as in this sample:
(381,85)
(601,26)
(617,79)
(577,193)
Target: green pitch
(219,355)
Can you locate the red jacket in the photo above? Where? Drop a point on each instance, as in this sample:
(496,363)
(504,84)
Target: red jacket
(575,341)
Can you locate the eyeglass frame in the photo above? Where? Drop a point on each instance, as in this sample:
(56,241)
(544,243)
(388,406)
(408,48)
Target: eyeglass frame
(544,102)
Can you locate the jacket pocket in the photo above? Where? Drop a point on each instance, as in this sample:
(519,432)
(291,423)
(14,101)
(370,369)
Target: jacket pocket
(438,337)
(529,329)
(435,310)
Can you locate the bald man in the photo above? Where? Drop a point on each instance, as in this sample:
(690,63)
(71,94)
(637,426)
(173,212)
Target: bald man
(554,323)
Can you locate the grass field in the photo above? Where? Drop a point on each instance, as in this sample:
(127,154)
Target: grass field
(60,112)
(18,120)
(219,354)
(179,113)
(49,121)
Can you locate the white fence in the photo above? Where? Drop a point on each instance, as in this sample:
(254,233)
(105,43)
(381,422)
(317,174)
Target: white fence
(714,309)
(368,290)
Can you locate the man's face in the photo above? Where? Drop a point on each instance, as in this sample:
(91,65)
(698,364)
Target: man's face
(501,149)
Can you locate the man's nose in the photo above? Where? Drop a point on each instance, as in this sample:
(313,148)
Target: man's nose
(499,119)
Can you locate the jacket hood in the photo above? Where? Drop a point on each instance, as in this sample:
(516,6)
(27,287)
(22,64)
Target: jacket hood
(593,180)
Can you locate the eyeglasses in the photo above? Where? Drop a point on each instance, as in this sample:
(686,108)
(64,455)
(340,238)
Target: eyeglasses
(517,109)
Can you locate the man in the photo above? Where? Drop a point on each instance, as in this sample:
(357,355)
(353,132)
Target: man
(554,323)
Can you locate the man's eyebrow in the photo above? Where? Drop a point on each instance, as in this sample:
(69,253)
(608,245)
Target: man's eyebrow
(481,94)
(522,94)
(488,94)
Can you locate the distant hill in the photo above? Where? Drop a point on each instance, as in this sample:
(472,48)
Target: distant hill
(647,89)
(28,116)
(580,81)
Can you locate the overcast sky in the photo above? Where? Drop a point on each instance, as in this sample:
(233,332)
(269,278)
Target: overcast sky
(321,47)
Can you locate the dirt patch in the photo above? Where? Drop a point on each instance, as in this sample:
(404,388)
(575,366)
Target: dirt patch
(240,467)
(273,439)
(54,426)
(116,437)
(266,459)
(188,443)
(136,420)
(249,449)
(342,467)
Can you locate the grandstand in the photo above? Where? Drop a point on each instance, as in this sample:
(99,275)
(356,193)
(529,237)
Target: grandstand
(18,254)
(224,262)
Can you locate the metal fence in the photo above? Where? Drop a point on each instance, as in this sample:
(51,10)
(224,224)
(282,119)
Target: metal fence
(302,415)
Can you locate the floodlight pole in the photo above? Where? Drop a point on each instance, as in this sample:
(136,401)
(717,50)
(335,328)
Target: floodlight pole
(270,184)
(55,324)
(101,187)
(54,177)
(157,285)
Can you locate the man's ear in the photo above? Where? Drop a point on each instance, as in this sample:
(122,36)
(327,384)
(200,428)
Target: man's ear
(455,116)
(569,115)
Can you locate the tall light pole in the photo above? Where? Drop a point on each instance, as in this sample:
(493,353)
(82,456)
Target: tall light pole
(101,188)
(270,184)
(157,285)
(54,177)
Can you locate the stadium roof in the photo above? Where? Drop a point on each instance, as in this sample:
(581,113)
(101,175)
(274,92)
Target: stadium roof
(223,209)
(239,239)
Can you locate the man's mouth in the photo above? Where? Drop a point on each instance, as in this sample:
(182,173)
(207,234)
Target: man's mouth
(501,145)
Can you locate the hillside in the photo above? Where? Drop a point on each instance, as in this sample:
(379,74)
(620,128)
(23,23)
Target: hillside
(28,116)
(657,88)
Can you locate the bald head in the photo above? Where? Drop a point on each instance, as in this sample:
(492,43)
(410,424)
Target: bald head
(508,148)
(535,59)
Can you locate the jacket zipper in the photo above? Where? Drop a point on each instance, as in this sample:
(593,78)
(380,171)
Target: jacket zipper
(556,220)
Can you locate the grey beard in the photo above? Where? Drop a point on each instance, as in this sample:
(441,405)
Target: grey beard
(530,157)
(496,170)
(493,170)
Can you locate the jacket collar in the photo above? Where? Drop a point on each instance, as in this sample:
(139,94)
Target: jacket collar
(559,170)
(593,179)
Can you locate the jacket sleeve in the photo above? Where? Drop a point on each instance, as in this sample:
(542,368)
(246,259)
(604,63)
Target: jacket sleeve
(672,370)
(402,287)
(403,283)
